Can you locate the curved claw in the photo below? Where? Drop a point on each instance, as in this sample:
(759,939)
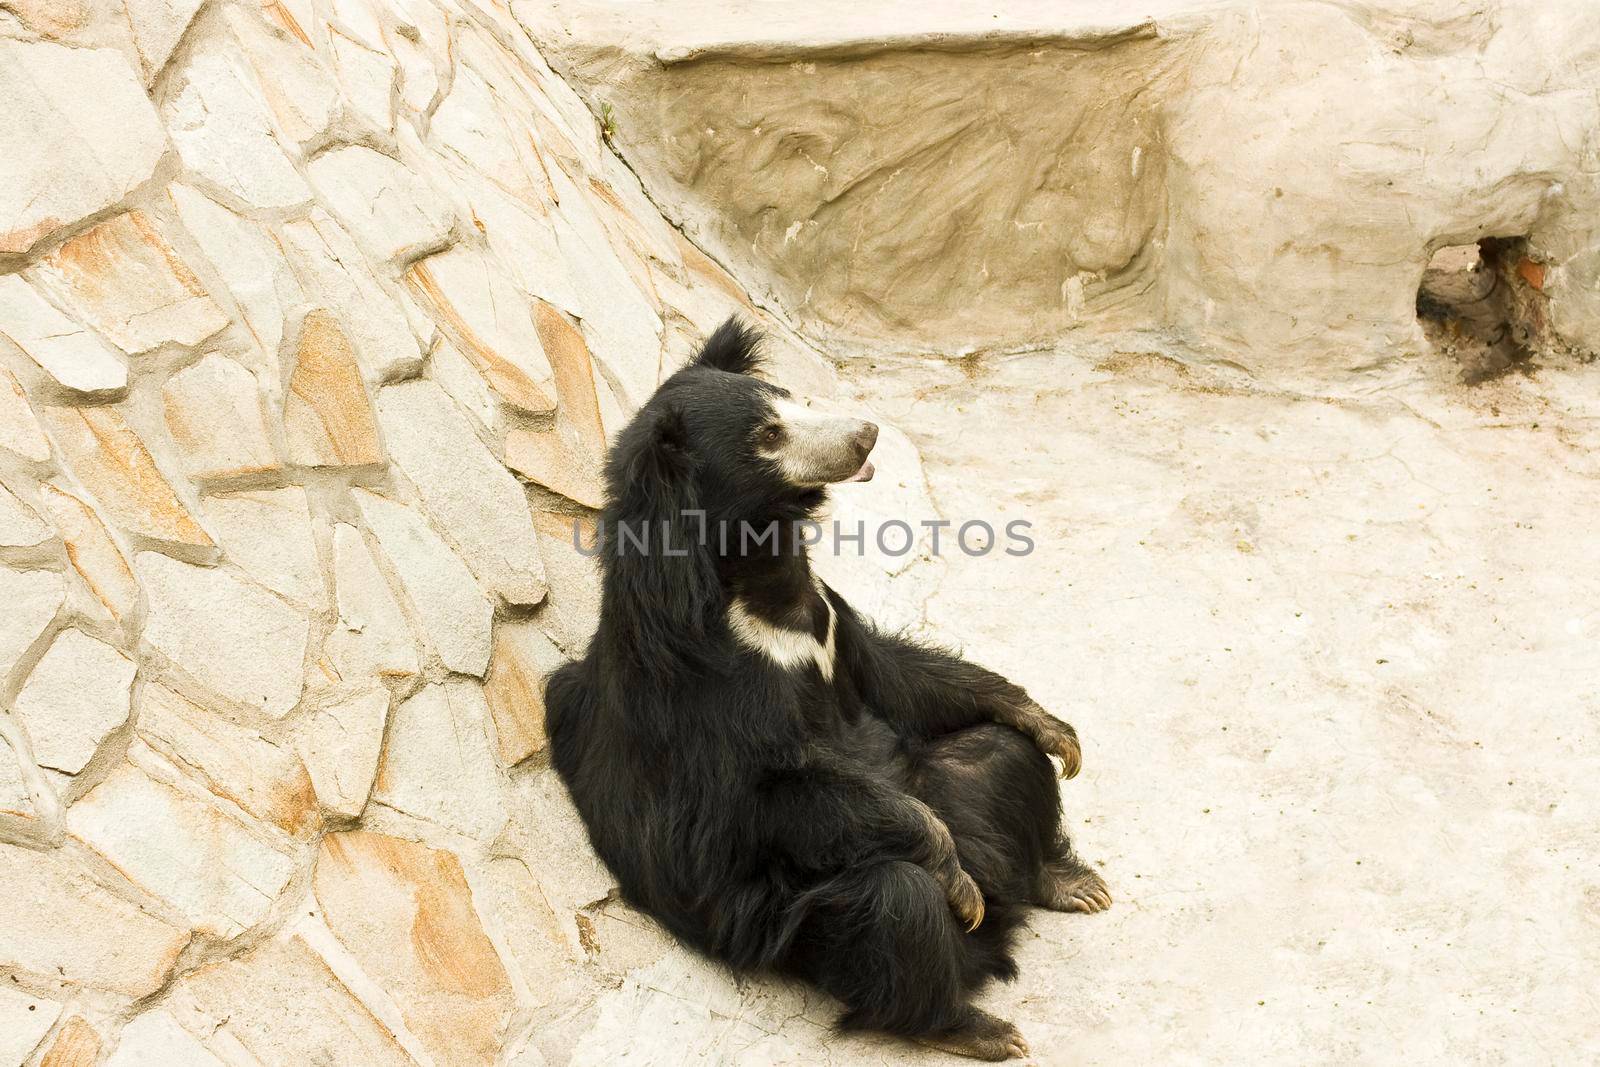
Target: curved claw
(1065,755)
(1054,738)
(966,900)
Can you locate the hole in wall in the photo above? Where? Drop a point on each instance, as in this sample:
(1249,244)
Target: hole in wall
(1483,305)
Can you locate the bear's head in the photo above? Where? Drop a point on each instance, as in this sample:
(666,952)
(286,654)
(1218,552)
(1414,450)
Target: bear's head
(741,448)
(715,449)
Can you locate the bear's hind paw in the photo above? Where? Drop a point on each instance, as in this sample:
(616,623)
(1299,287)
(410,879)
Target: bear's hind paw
(982,1037)
(1070,886)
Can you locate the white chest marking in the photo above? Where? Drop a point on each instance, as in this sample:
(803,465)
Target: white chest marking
(789,649)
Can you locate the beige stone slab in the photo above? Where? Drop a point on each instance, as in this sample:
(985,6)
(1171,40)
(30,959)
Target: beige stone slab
(490,320)
(127,281)
(522,237)
(340,746)
(262,777)
(19,428)
(15,798)
(509,898)
(335,275)
(268,532)
(87,138)
(24,1019)
(292,16)
(521,662)
(77,694)
(545,457)
(60,20)
(20,525)
(157,26)
(467,492)
(453,610)
(570,875)
(32,599)
(457,376)
(249,260)
(419,73)
(72,355)
(438,764)
(213,411)
(361,19)
(574,577)
(391,211)
(295,85)
(281,1006)
(222,127)
(371,638)
(616,304)
(327,415)
(634,223)
(112,462)
(92,551)
(366,79)
(469,123)
(405,912)
(237,640)
(707,271)
(58,921)
(154,1039)
(182,849)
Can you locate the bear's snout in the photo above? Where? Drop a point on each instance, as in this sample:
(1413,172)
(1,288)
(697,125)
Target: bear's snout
(818,448)
(862,441)
(864,438)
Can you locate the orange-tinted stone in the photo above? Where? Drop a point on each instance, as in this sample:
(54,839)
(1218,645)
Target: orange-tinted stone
(113,463)
(327,415)
(129,283)
(405,912)
(574,373)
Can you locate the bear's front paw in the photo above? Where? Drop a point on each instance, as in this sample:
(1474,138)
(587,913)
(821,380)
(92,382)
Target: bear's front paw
(966,899)
(1056,739)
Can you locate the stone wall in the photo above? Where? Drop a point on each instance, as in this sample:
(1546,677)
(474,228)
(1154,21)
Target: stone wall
(315,319)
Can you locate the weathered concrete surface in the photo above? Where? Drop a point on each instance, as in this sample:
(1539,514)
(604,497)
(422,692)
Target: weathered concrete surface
(1268,176)
(1334,663)
(1334,666)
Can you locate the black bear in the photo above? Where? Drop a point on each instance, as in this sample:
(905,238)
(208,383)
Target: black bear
(780,784)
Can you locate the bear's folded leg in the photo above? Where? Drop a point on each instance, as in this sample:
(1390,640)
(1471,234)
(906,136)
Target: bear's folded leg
(884,941)
(998,795)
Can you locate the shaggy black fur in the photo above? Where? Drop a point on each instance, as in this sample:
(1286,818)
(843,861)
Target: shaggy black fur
(831,830)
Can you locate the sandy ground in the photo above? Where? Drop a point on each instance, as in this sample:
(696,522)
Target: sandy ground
(1336,665)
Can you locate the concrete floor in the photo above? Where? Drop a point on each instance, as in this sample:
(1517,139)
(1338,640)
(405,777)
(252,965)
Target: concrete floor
(1336,665)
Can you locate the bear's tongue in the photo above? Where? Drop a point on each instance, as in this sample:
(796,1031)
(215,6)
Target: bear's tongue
(862,475)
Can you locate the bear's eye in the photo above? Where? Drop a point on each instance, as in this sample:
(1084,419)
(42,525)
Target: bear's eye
(771,435)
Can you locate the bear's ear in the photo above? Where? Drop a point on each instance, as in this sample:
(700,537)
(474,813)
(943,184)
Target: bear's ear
(652,451)
(733,348)
(661,585)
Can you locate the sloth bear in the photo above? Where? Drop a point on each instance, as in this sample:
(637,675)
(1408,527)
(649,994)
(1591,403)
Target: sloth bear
(781,785)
